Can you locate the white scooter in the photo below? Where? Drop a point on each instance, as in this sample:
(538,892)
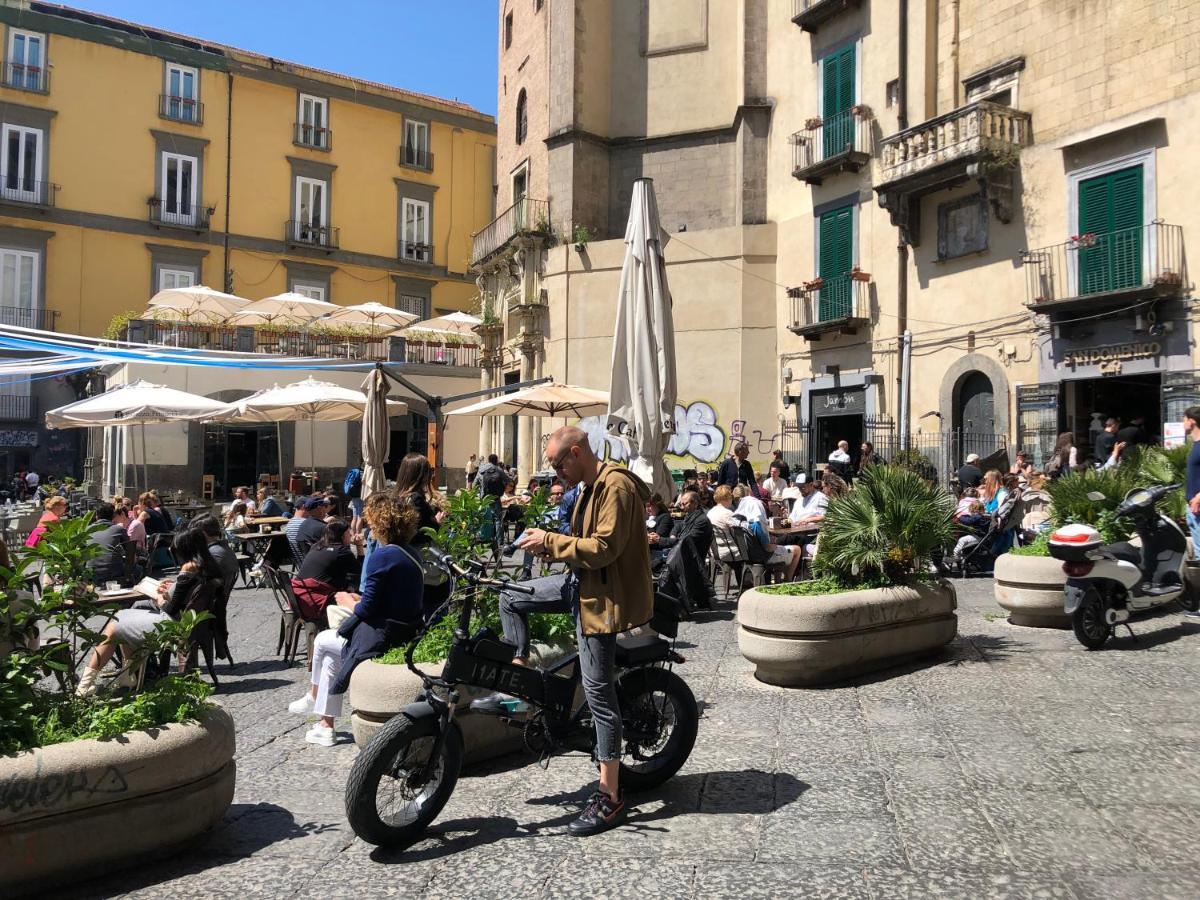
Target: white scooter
(1108,583)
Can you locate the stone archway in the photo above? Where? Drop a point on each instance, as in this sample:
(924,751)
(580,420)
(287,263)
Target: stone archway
(959,376)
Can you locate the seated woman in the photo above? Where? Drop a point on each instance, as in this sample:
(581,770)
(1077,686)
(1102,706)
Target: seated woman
(392,593)
(754,516)
(197,588)
(235,519)
(329,567)
(55,509)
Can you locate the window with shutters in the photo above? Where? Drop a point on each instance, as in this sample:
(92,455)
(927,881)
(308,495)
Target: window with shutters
(1111,226)
(412,304)
(962,227)
(170,279)
(839,82)
(835,259)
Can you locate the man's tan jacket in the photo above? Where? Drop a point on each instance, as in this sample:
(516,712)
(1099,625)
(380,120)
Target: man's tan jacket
(610,554)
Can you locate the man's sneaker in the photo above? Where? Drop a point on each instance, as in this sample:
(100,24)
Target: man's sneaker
(600,814)
(321,735)
(1193,616)
(303,706)
(499,705)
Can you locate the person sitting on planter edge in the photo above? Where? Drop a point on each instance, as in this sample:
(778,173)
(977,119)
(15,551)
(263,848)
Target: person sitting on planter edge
(389,607)
(328,568)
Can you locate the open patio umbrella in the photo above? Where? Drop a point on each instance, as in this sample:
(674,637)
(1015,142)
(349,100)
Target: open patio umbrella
(643,383)
(376,435)
(457,322)
(548,400)
(304,401)
(289,307)
(373,315)
(197,302)
(136,403)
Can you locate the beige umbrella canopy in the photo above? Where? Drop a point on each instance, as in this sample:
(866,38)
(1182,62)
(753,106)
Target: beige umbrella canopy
(457,322)
(287,308)
(197,302)
(373,315)
(376,435)
(549,400)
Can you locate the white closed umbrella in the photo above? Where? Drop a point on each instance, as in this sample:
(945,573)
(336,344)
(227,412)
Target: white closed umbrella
(373,315)
(546,400)
(289,307)
(136,403)
(198,302)
(643,386)
(376,435)
(457,322)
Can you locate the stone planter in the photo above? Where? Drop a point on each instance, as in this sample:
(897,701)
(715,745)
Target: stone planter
(818,639)
(378,692)
(84,808)
(1030,589)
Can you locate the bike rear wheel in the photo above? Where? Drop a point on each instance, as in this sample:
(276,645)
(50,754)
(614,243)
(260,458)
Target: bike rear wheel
(659,718)
(389,801)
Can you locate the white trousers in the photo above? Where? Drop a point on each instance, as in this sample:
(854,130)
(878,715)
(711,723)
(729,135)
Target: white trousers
(327,663)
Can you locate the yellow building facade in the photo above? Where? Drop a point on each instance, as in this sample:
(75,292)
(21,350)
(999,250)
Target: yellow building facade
(135,160)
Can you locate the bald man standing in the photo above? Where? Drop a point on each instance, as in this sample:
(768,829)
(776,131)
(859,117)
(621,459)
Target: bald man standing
(608,590)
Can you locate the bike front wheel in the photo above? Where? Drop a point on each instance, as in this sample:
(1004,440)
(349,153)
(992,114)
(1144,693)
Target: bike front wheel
(393,793)
(659,718)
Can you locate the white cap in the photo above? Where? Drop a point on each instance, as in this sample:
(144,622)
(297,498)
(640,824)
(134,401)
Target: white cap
(800,478)
(972,457)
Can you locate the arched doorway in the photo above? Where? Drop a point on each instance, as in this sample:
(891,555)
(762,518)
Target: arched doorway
(975,413)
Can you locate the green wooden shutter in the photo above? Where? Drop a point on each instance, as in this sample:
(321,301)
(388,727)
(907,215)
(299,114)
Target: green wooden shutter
(838,71)
(1110,209)
(836,260)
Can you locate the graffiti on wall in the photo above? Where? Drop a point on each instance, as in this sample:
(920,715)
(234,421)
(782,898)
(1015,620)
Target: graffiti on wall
(697,435)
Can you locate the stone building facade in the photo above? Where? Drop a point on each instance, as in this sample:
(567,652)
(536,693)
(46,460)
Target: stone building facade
(953,225)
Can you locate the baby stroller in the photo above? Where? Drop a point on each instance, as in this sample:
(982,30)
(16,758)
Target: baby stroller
(975,551)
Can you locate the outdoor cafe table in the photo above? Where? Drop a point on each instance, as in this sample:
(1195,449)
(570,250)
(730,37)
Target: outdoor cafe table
(273,521)
(257,542)
(811,528)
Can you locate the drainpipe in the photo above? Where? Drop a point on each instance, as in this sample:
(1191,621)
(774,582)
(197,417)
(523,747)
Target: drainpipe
(905,381)
(227,275)
(954,44)
(901,247)
(902,80)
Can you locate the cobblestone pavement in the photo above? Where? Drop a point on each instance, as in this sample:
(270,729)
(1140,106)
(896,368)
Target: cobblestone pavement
(1015,765)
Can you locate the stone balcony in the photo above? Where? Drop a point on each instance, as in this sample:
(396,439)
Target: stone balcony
(981,141)
(812,14)
(525,218)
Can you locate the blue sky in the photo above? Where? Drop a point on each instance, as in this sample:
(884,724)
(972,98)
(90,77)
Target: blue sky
(442,47)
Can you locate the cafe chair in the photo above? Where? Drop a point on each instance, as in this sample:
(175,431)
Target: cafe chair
(760,572)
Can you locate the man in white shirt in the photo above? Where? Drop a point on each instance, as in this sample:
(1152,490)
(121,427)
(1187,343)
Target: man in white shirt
(809,508)
(774,485)
(32,480)
(841,454)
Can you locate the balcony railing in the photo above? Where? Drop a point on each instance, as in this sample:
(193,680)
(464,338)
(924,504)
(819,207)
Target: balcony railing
(416,157)
(838,303)
(18,408)
(313,136)
(1116,266)
(25,317)
(841,142)
(180,215)
(434,354)
(811,14)
(421,253)
(180,109)
(966,134)
(27,78)
(309,235)
(14,189)
(526,216)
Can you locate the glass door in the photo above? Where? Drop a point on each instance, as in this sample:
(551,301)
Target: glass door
(26,69)
(181,93)
(415,243)
(21,163)
(179,189)
(310,211)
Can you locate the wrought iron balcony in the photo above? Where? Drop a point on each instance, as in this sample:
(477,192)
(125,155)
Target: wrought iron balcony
(313,136)
(180,109)
(420,253)
(416,157)
(176,215)
(981,141)
(837,144)
(24,317)
(27,78)
(841,303)
(308,235)
(1106,270)
(14,189)
(18,408)
(525,217)
(433,353)
(811,14)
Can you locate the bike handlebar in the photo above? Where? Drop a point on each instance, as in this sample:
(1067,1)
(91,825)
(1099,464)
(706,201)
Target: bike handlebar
(470,573)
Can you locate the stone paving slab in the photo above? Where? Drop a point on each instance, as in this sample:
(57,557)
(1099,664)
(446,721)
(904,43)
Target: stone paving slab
(1014,765)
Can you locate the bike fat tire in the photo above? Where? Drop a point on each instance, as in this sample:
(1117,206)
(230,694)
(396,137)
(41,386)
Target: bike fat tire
(654,681)
(372,765)
(1088,621)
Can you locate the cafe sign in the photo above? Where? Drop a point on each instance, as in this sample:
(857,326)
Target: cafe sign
(1109,357)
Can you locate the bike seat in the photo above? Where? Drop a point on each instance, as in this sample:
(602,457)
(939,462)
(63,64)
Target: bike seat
(636,650)
(1125,552)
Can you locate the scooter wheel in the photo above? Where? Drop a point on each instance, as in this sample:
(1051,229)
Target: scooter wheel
(1190,598)
(1091,628)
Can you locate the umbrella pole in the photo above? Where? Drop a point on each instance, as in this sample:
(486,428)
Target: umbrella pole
(145,468)
(312,446)
(279,450)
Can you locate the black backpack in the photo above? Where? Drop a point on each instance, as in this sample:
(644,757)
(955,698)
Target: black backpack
(492,481)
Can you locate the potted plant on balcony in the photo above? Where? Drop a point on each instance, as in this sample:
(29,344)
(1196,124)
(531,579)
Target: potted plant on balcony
(874,603)
(582,236)
(1168,278)
(813,123)
(857,274)
(95,783)
(814,284)
(861,111)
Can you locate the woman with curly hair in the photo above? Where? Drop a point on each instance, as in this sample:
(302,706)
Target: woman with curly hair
(390,604)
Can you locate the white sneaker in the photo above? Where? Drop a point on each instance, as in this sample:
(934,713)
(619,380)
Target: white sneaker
(321,735)
(303,706)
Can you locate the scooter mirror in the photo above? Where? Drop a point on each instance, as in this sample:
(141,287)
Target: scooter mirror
(1096,495)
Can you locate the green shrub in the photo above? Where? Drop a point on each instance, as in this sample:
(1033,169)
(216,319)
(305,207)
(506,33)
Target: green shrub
(1039,547)
(886,530)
